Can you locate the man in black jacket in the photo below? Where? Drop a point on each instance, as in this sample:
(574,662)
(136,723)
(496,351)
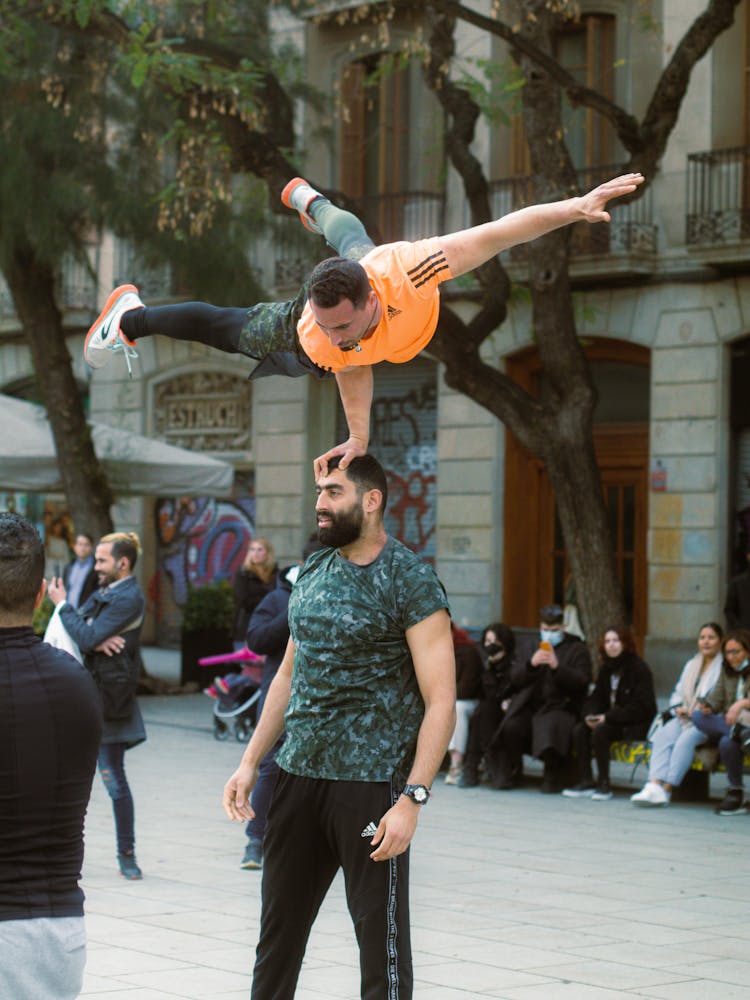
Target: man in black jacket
(50,726)
(550,677)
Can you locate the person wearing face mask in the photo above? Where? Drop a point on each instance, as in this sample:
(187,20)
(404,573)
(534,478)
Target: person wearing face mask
(497,646)
(727,705)
(674,742)
(550,677)
(621,706)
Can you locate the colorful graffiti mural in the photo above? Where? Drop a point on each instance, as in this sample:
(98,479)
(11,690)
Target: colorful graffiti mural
(202,540)
(404,438)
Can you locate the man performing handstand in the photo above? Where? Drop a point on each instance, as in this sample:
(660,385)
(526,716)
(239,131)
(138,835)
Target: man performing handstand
(369,304)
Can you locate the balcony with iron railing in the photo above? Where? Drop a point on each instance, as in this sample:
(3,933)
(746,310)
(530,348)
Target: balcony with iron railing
(629,242)
(718,199)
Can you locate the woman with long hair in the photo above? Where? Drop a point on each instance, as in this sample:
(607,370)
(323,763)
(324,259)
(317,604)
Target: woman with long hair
(673,744)
(255,579)
(621,706)
(726,707)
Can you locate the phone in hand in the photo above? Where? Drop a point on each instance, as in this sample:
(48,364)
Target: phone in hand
(546,646)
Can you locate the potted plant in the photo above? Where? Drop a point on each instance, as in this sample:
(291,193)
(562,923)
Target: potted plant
(207,621)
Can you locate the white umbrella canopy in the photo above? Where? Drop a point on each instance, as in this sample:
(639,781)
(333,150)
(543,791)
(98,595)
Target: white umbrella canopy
(135,465)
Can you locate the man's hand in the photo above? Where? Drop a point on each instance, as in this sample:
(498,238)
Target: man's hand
(681,712)
(542,656)
(592,205)
(236,798)
(115,644)
(351,448)
(395,830)
(56,590)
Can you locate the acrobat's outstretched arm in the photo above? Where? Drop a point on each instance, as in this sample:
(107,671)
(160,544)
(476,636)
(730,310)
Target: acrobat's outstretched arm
(469,248)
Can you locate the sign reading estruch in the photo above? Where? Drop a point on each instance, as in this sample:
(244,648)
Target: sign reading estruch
(204,411)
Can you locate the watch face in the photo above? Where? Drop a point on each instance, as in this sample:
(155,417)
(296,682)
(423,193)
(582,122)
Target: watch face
(420,794)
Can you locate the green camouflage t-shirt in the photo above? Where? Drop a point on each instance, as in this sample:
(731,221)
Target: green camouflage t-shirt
(355,707)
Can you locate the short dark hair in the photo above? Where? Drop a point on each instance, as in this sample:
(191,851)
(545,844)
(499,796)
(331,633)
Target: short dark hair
(337,278)
(84,534)
(366,472)
(551,614)
(21,564)
(124,544)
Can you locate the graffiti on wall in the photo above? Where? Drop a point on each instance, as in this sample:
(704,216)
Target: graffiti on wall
(202,540)
(404,437)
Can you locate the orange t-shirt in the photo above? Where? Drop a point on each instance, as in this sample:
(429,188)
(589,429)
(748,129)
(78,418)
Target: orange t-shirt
(405,278)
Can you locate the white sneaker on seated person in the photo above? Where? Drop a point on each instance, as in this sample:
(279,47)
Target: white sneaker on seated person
(652,794)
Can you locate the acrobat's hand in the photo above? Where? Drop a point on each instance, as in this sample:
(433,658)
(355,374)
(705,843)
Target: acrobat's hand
(350,449)
(236,798)
(592,205)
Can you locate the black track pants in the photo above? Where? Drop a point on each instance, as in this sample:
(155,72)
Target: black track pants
(314,828)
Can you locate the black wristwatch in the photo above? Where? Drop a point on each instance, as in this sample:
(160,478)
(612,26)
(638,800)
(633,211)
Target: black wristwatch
(417,793)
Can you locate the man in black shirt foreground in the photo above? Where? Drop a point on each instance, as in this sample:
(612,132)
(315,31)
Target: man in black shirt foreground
(50,726)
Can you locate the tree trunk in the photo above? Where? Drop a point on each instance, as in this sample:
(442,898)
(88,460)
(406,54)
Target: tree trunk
(32,285)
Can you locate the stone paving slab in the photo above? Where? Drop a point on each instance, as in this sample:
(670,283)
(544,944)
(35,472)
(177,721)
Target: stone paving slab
(518,895)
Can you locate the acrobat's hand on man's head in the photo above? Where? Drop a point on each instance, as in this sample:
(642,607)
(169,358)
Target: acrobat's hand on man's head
(350,449)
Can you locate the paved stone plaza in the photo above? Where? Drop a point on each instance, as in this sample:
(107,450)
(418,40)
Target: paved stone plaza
(514,895)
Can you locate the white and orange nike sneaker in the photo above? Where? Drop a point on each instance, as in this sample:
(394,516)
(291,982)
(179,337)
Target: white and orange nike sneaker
(105,337)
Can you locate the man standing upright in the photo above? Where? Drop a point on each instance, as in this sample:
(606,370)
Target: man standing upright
(79,576)
(114,615)
(50,725)
(368,688)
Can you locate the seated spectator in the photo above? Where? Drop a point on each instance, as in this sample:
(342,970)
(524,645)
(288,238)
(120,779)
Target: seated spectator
(468,693)
(550,678)
(673,744)
(620,707)
(722,709)
(497,647)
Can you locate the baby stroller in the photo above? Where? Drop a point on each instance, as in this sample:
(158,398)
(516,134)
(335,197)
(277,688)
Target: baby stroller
(236,710)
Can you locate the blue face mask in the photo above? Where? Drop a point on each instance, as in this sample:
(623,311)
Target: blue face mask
(742,665)
(553,638)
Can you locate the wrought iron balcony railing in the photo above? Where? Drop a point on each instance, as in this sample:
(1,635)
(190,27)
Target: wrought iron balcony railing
(631,231)
(718,197)
(404,215)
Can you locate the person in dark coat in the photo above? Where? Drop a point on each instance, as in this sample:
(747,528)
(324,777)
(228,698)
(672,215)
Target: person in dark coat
(497,647)
(79,576)
(268,634)
(550,678)
(256,578)
(111,621)
(50,724)
(620,707)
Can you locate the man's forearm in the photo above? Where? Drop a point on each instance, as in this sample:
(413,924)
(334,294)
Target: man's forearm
(432,742)
(356,389)
(469,249)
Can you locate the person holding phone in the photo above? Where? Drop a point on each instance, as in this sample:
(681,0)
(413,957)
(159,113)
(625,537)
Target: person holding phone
(621,706)
(550,678)
(674,742)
